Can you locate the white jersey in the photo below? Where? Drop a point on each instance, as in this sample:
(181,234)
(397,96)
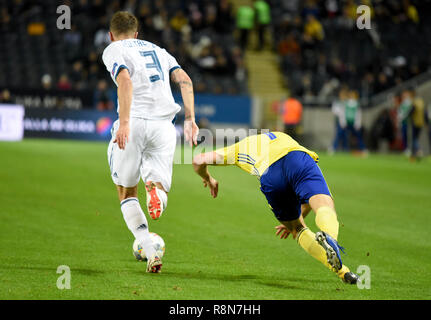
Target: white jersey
(149,67)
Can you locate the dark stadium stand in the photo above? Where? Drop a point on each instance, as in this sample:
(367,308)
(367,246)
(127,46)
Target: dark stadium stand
(198,33)
(318,54)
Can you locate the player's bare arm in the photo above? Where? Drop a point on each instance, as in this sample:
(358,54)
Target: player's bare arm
(200,165)
(125,91)
(182,79)
(282,230)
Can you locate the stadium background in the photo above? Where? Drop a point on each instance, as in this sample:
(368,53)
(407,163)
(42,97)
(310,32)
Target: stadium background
(308,49)
(58,202)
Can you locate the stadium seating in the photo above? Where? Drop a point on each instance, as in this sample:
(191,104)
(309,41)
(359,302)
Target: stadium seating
(26,57)
(395,49)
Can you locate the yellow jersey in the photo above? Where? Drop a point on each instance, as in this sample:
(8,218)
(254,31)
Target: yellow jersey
(418,115)
(256,153)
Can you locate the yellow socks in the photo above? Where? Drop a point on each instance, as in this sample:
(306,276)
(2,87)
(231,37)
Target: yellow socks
(326,220)
(307,240)
(342,271)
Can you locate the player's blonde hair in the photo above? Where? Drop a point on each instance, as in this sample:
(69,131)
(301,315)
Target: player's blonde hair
(123,22)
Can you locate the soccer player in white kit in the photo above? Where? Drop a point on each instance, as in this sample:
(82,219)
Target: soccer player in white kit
(144,137)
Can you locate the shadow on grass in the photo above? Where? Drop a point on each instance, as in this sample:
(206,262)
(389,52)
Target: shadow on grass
(275,282)
(88,272)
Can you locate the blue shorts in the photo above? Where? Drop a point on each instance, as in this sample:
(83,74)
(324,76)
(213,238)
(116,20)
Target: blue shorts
(290,182)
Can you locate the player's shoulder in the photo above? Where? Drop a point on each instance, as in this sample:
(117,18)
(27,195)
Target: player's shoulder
(112,48)
(272,135)
(278,134)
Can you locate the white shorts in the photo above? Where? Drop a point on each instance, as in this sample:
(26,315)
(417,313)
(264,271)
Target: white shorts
(149,153)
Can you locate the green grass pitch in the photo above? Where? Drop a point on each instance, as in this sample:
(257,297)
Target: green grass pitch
(58,206)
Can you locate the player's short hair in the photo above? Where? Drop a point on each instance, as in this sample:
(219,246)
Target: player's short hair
(123,22)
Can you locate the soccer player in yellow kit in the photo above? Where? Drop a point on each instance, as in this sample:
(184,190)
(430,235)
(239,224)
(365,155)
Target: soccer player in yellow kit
(293,185)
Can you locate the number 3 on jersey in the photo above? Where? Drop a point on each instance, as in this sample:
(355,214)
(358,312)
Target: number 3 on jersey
(155,64)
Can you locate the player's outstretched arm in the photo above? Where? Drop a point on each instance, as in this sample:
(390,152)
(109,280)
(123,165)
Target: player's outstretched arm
(125,92)
(200,165)
(182,79)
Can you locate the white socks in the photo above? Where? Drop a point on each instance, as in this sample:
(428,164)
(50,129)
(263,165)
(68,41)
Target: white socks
(137,224)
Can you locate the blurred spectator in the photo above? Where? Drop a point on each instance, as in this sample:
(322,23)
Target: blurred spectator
(367,85)
(263,19)
(64,83)
(76,74)
(244,23)
(310,8)
(5,18)
(145,18)
(404,111)
(224,19)
(102,99)
(313,28)
(289,46)
(239,65)
(397,143)
(338,109)
(72,41)
(210,15)
(382,129)
(73,37)
(411,11)
(5,96)
(382,82)
(101,37)
(178,21)
(195,17)
(419,119)
(46,82)
(353,117)
(93,74)
(130,6)
(291,111)
(332,8)
(206,59)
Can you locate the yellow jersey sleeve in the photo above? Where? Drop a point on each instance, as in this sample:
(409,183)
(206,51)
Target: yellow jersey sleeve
(255,154)
(229,154)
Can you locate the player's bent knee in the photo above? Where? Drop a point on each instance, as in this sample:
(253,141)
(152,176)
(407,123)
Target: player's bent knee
(321,200)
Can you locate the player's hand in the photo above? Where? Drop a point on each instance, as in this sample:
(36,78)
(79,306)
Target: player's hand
(213,185)
(122,136)
(191,131)
(282,231)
